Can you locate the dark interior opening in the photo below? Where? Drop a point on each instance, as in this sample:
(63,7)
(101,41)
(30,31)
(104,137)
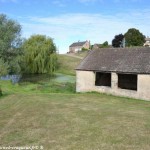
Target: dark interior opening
(103,79)
(127,81)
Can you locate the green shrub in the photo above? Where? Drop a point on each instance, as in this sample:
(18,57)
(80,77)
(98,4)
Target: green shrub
(1,92)
(84,49)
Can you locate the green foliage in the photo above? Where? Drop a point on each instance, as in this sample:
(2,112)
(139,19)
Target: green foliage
(40,83)
(104,45)
(134,37)
(3,71)
(3,67)
(91,46)
(10,42)
(118,40)
(84,49)
(39,55)
(14,65)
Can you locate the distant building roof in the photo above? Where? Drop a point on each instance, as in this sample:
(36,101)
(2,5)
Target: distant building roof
(95,46)
(147,39)
(77,44)
(123,60)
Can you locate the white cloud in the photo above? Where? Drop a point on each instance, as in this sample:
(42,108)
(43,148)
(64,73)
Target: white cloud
(60,3)
(98,28)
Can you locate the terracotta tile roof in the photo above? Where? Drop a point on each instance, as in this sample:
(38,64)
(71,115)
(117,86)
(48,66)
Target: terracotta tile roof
(77,44)
(125,60)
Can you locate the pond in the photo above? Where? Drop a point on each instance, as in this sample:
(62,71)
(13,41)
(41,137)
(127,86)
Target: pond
(64,78)
(58,77)
(13,78)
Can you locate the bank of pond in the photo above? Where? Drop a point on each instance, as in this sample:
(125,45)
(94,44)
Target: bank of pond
(41,83)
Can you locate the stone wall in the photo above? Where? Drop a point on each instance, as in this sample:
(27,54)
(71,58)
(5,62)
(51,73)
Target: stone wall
(144,86)
(87,45)
(85,82)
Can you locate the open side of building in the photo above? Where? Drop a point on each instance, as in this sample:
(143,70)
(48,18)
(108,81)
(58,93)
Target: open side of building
(116,71)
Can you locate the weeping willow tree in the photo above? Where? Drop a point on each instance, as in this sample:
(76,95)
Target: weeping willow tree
(39,55)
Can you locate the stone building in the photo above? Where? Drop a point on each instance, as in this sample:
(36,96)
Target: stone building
(77,46)
(116,71)
(96,46)
(147,42)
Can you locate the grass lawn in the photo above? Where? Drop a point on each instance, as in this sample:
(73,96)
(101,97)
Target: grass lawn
(67,64)
(82,54)
(74,121)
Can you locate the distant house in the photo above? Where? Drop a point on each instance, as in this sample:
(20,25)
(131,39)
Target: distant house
(96,46)
(77,46)
(117,71)
(147,42)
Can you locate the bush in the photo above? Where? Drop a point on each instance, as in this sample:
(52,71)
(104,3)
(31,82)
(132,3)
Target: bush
(1,92)
(84,49)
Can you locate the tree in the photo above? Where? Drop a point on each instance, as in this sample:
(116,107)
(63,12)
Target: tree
(104,45)
(10,41)
(118,41)
(3,71)
(39,55)
(3,67)
(134,37)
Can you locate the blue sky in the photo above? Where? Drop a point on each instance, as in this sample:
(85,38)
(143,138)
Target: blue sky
(68,21)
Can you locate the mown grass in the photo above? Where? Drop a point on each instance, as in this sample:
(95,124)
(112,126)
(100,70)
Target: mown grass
(74,121)
(67,64)
(48,113)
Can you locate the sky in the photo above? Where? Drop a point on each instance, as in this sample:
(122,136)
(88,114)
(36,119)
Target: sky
(69,21)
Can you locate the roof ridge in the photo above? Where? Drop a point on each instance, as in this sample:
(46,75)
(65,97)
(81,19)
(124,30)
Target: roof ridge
(135,60)
(90,51)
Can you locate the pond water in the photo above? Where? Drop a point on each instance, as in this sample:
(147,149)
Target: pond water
(64,78)
(58,77)
(13,78)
